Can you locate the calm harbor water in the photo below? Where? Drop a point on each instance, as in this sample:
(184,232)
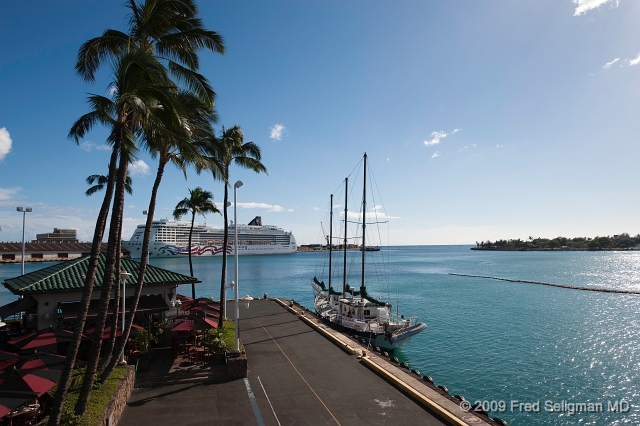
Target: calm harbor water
(488,340)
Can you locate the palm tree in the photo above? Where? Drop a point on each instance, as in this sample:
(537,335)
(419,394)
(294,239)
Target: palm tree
(169,29)
(140,84)
(230,148)
(200,202)
(98,183)
(177,148)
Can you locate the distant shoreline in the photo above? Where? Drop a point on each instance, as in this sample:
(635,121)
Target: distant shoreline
(558,249)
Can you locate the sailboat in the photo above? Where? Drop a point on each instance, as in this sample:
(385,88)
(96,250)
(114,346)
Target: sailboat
(358,312)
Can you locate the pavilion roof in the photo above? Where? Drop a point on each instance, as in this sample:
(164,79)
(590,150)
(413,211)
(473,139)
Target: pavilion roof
(70,276)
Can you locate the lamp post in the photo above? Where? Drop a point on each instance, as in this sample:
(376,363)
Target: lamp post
(237,185)
(123,281)
(231,284)
(24,211)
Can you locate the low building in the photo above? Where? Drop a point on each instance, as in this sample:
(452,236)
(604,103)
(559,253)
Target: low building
(51,296)
(44,252)
(58,236)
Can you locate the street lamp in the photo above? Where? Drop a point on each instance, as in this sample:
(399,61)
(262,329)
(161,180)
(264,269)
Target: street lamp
(237,185)
(123,280)
(24,218)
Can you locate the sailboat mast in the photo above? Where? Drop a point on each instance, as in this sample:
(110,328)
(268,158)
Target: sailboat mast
(364,224)
(330,242)
(344,244)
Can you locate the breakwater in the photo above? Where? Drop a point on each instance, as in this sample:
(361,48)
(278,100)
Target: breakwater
(572,287)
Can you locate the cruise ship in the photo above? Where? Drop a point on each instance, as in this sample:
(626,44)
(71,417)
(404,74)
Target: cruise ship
(170,238)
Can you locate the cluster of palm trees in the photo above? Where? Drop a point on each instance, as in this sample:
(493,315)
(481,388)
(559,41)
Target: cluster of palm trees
(159,103)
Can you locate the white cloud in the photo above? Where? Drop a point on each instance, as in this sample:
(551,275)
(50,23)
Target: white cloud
(268,207)
(139,168)
(316,209)
(435,154)
(8,193)
(435,138)
(388,159)
(608,64)
(635,61)
(90,146)
(379,215)
(473,145)
(277,131)
(5,142)
(500,146)
(586,5)
(112,90)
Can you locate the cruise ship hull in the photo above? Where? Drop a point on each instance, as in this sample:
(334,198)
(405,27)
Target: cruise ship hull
(160,249)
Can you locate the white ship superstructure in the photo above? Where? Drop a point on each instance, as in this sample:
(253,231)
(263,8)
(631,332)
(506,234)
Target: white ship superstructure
(170,238)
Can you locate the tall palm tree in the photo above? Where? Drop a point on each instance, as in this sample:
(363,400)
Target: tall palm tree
(230,148)
(140,84)
(169,29)
(198,202)
(178,148)
(99,182)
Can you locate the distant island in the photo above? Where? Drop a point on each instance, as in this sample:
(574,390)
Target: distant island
(616,242)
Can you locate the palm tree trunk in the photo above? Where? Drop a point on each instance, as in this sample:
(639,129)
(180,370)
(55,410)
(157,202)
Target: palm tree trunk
(116,306)
(225,243)
(193,286)
(107,282)
(72,352)
(143,267)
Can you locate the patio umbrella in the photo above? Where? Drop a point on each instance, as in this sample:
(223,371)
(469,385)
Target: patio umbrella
(22,381)
(184,326)
(7,359)
(12,400)
(43,340)
(106,333)
(41,361)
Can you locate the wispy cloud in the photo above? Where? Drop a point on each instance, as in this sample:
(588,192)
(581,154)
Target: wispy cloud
(436,137)
(7,194)
(608,64)
(5,143)
(265,206)
(139,168)
(473,145)
(90,146)
(635,61)
(277,130)
(376,213)
(316,209)
(583,6)
(436,154)
(500,146)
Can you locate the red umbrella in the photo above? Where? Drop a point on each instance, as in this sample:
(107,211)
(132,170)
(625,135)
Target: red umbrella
(22,381)
(41,361)
(184,326)
(44,340)
(106,333)
(212,323)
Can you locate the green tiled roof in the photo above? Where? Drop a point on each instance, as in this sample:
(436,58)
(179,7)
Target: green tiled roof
(69,276)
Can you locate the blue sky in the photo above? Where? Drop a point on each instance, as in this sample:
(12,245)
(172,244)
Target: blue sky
(482,119)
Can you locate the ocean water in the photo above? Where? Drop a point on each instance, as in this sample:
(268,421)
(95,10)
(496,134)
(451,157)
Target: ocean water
(505,344)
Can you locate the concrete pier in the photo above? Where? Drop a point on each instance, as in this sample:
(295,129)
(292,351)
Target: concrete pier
(300,372)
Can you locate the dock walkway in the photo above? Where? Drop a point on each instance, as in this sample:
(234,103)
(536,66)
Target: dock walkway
(296,377)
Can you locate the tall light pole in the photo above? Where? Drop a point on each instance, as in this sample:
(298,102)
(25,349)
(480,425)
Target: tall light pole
(24,219)
(231,284)
(237,185)
(123,281)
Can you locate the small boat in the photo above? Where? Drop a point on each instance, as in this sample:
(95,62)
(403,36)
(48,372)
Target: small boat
(359,312)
